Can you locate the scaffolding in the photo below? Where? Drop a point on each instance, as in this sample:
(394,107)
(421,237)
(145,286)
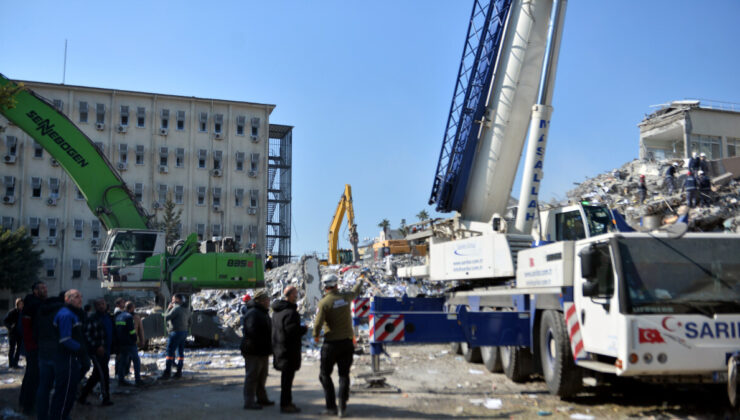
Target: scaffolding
(279,169)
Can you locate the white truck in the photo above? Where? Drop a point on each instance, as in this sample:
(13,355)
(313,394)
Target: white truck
(580,292)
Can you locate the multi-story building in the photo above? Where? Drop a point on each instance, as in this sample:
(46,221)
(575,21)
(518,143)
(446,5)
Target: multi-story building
(681,128)
(209,156)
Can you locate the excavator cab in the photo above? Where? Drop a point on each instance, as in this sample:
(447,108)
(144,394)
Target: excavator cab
(125,253)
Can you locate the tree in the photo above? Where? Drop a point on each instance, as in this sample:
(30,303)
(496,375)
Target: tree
(7,96)
(385,224)
(19,260)
(422,215)
(170,222)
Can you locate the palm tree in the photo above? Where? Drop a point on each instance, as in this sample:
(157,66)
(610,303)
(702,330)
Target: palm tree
(404,229)
(385,224)
(422,216)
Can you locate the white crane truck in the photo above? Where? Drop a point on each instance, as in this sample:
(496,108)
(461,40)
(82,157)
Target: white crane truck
(581,294)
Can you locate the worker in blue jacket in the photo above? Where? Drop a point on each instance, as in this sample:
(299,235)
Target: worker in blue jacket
(71,358)
(126,335)
(690,186)
(670,178)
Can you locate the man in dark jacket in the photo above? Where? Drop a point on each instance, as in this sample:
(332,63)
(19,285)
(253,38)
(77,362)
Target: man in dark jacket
(286,344)
(670,178)
(48,347)
(12,322)
(689,185)
(126,339)
(99,334)
(178,324)
(705,189)
(31,304)
(71,358)
(256,348)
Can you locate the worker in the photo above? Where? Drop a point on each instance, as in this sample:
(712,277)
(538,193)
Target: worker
(335,317)
(256,348)
(642,190)
(178,324)
(705,189)
(12,322)
(286,345)
(118,305)
(670,178)
(269,265)
(703,163)
(99,334)
(126,335)
(694,163)
(31,304)
(71,358)
(689,185)
(48,347)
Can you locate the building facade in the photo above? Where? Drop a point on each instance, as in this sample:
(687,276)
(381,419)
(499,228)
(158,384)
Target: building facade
(209,156)
(681,128)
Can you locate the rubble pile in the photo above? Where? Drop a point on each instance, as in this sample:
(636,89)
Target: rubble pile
(619,189)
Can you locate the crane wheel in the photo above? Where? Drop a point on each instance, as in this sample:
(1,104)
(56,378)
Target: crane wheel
(562,376)
(491,358)
(516,362)
(471,354)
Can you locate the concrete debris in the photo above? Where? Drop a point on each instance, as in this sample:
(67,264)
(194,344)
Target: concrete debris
(619,189)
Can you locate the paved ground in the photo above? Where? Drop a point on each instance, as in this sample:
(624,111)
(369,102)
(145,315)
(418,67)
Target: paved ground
(433,384)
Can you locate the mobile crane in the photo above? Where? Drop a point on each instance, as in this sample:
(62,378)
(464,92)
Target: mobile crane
(344,206)
(580,294)
(134,256)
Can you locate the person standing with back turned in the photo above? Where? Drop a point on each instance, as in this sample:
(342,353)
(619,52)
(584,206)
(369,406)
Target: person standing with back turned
(178,323)
(286,345)
(335,316)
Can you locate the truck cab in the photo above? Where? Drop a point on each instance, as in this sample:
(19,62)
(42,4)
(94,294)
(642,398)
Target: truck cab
(574,222)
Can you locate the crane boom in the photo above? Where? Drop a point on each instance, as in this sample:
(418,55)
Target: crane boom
(104,190)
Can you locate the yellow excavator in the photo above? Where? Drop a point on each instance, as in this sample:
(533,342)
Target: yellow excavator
(337,256)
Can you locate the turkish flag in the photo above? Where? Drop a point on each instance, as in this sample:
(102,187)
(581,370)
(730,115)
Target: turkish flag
(650,335)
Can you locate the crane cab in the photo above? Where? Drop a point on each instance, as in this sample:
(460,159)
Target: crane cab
(571,223)
(126,255)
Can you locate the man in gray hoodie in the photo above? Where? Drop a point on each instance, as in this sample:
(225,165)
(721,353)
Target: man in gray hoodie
(178,324)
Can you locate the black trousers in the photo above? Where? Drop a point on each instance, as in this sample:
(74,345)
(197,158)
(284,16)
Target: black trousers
(339,353)
(286,387)
(100,374)
(30,383)
(14,352)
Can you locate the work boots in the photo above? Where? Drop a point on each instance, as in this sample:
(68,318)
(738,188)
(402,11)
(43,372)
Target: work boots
(178,374)
(167,370)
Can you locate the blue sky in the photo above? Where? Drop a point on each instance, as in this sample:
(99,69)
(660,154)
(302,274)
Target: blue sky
(368,85)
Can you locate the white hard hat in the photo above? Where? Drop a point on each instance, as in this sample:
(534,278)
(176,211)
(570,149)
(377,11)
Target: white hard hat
(329,280)
(701,172)
(703,155)
(675,164)
(693,154)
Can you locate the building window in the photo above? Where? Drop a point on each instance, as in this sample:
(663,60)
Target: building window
(7,223)
(163,153)
(38,150)
(139,154)
(36,187)
(203,126)
(165,118)
(50,266)
(76,268)
(83,111)
(218,121)
(710,145)
(162,193)
(216,196)
(202,158)
(11,142)
(253,198)
(238,231)
(201,196)
(216,230)
(139,191)
(178,231)
(200,230)
(123,153)
(140,116)
(34,226)
(179,193)
(99,145)
(51,223)
(217,157)
(180,120)
(93,266)
(9,182)
(252,234)
(180,157)
(78,228)
(240,123)
(733,146)
(78,194)
(95,229)
(100,113)
(239,161)
(255,127)
(124,115)
(54,187)
(254,162)
(239,197)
